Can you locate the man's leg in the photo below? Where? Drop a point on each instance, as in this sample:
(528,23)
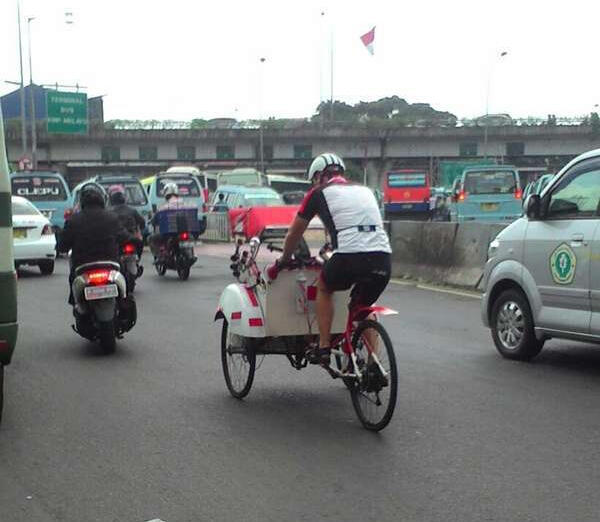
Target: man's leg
(325,312)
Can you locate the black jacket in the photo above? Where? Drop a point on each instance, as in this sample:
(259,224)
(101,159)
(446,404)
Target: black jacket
(94,234)
(129,218)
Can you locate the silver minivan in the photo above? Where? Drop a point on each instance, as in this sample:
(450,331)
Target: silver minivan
(542,278)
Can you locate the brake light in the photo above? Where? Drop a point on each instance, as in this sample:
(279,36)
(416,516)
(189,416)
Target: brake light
(184,236)
(3,346)
(462,195)
(68,213)
(97,277)
(129,248)
(206,194)
(47,231)
(518,194)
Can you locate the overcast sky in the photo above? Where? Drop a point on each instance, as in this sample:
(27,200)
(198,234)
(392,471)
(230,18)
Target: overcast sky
(184,59)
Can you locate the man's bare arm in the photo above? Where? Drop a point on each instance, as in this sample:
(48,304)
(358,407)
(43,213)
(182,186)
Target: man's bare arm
(293,237)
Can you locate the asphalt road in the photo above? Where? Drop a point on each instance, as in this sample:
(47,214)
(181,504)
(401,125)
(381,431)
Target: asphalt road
(152,433)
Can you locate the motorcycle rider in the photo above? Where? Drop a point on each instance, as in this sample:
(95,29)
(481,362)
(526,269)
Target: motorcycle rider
(172,201)
(93,234)
(129,217)
(361,249)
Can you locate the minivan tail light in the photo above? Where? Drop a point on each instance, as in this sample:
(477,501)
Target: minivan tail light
(47,231)
(518,194)
(68,213)
(462,195)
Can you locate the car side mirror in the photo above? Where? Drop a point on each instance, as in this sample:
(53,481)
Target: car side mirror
(533,206)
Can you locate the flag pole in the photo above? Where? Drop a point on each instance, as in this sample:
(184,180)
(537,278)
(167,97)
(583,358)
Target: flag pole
(331,66)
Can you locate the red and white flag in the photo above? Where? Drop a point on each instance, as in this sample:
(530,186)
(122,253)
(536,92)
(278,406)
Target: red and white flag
(368,40)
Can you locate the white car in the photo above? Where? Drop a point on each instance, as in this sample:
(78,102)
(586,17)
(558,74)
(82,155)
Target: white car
(33,238)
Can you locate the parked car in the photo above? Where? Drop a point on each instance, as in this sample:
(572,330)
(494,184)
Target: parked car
(33,238)
(541,280)
(490,194)
(47,190)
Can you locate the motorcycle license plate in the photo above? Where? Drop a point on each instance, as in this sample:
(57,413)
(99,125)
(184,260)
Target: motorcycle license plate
(93,293)
(186,244)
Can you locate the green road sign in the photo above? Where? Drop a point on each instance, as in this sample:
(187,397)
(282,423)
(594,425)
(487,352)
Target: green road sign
(67,112)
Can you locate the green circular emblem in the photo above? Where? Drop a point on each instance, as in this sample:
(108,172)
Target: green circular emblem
(563,263)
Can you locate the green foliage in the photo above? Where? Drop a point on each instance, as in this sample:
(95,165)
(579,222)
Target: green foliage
(389,112)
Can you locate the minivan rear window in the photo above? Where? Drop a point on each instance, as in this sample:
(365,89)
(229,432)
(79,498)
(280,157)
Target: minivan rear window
(490,182)
(188,187)
(39,188)
(134,192)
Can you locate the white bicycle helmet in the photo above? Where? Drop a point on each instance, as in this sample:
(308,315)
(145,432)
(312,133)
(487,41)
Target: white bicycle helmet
(170,189)
(323,161)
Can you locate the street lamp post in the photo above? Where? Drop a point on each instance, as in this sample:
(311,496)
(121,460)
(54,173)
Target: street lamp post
(22,87)
(487,102)
(32,99)
(260,110)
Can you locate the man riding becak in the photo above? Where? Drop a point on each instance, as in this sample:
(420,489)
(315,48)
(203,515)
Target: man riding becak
(361,249)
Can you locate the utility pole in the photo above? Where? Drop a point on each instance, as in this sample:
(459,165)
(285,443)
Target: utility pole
(260,110)
(32,100)
(22,87)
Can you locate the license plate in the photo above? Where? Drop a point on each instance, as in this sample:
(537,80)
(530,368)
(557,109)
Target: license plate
(100,292)
(407,205)
(490,207)
(19,233)
(186,244)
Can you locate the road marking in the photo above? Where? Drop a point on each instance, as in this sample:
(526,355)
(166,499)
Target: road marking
(156,520)
(432,288)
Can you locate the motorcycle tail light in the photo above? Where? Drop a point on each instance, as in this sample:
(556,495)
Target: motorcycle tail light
(97,277)
(184,236)
(129,248)
(47,230)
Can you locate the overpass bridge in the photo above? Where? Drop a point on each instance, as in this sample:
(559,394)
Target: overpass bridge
(367,150)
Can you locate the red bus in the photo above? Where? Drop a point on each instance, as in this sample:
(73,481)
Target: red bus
(406,193)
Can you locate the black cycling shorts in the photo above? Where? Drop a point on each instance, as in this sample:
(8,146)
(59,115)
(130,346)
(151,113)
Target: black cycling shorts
(369,272)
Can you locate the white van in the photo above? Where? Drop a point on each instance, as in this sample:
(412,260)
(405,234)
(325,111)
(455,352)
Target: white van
(542,278)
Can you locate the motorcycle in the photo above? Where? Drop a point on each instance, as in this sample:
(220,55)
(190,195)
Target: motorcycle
(102,308)
(130,264)
(176,254)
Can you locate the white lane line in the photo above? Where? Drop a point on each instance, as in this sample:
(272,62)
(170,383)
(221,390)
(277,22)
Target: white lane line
(431,288)
(155,520)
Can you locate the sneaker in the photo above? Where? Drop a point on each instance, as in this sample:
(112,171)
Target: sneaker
(319,356)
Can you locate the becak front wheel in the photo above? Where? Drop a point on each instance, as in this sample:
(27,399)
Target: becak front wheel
(238,359)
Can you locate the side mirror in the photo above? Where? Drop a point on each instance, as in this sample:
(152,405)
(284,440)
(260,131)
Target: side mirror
(533,206)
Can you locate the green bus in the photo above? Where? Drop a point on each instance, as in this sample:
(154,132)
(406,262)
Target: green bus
(8,276)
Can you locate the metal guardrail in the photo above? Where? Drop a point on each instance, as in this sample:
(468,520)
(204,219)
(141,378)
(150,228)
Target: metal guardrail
(217,227)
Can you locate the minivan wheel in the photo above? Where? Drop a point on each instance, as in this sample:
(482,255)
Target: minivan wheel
(512,327)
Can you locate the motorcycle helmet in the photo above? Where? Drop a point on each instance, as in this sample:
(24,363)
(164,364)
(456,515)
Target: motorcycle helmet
(170,189)
(116,193)
(92,196)
(326,161)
